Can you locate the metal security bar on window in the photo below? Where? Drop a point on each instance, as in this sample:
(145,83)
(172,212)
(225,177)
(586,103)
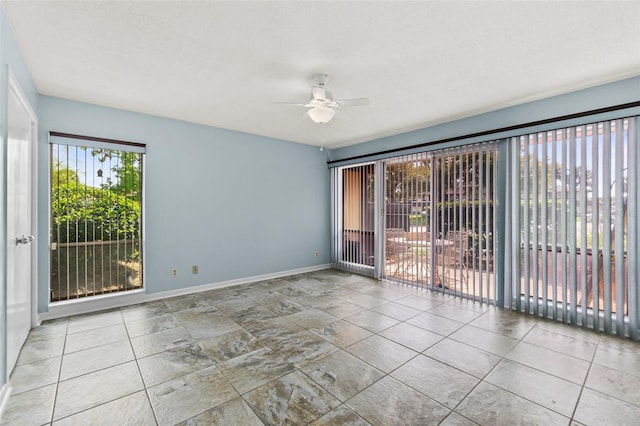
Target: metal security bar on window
(577,250)
(96,221)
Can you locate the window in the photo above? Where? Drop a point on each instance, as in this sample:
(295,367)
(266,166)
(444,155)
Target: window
(96,220)
(574,200)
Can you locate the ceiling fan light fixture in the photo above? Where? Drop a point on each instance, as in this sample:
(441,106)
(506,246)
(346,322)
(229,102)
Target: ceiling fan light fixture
(321,115)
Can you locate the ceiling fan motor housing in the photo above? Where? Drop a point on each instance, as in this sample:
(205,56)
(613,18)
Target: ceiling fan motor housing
(321,79)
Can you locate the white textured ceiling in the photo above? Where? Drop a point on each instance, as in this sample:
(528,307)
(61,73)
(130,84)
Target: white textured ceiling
(224,63)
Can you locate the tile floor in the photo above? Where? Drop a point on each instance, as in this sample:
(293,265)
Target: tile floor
(325,348)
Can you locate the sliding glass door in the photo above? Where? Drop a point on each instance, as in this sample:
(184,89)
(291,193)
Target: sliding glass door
(425,219)
(438,222)
(544,223)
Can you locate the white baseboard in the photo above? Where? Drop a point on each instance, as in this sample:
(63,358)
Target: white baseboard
(117,300)
(5,392)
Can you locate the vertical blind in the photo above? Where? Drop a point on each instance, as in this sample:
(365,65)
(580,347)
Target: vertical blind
(439,220)
(545,223)
(353,204)
(577,212)
(436,227)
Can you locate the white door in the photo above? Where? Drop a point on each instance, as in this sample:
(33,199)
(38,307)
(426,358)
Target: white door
(20,246)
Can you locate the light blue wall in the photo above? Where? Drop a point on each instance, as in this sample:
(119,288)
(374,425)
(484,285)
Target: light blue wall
(10,58)
(237,205)
(620,92)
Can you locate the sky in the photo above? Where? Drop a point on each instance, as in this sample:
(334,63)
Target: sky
(85,164)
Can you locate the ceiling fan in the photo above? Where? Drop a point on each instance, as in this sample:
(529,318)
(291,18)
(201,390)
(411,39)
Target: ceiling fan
(322,106)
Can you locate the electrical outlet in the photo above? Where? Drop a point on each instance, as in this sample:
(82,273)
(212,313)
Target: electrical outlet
(174,272)
(194,269)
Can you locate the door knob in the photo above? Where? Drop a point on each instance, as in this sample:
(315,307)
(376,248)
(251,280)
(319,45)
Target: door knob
(25,239)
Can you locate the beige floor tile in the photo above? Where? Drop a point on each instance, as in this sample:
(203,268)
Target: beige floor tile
(41,349)
(341,333)
(173,363)
(561,343)
(37,374)
(151,325)
(618,384)
(390,402)
(251,370)
(83,362)
(49,329)
(452,311)
(88,391)
(86,322)
(311,318)
(153,343)
(185,397)
(555,363)
(132,409)
(233,413)
(505,322)
(230,345)
(471,360)
(291,399)
(549,391)
(620,354)
(341,415)
(595,408)
(342,374)
(92,338)
(34,407)
(438,381)
(372,321)
(397,311)
(486,340)
(419,303)
(381,353)
(411,336)
(455,419)
(436,323)
(491,405)
(144,310)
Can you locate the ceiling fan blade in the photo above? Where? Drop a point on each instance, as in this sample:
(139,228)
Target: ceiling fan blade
(290,103)
(313,103)
(318,93)
(352,102)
